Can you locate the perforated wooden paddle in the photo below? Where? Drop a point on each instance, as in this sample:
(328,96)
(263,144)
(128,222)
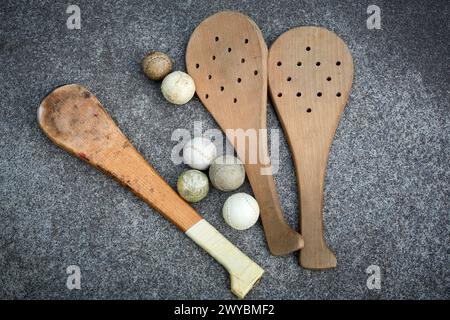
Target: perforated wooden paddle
(310,76)
(227,58)
(76,121)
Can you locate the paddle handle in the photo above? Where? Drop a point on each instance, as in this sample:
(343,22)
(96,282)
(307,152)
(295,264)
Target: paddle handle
(281,238)
(311,169)
(244,273)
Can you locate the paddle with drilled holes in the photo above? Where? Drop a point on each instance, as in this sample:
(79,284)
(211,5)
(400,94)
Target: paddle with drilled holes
(75,120)
(227,58)
(310,72)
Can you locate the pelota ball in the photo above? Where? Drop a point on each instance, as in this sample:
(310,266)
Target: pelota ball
(178,87)
(156,65)
(199,152)
(240,211)
(193,185)
(227,173)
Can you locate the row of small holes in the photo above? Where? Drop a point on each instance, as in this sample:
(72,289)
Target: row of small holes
(222,88)
(290,78)
(214,58)
(299,64)
(299,94)
(338,63)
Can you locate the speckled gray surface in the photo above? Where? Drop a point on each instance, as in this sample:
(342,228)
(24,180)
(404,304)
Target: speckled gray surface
(387,187)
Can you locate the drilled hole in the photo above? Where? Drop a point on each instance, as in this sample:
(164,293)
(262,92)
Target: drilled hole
(197,66)
(242,60)
(328,78)
(317,63)
(338,94)
(214,57)
(308,48)
(289,79)
(319,94)
(299,94)
(338,63)
(279,63)
(299,63)
(234,100)
(255,73)
(206,96)
(280,95)
(222,88)
(229,49)
(209,77)
(239,80)
(246,41)
(308,110)
(217,39)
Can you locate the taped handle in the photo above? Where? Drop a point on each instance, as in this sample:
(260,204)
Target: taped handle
(244,273)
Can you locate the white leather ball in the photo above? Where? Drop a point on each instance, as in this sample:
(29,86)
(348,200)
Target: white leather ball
(240,211)
(178,87)
(199,152)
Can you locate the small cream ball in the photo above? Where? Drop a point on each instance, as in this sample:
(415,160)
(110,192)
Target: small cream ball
(198,153)
(178,87)
(240,211)
(156,65)
(227,173)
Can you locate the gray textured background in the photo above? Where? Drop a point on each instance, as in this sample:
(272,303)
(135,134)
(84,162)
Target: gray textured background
(387,187)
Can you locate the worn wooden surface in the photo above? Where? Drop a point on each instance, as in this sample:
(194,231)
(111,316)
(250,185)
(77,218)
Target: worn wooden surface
(74,119)
(227,57)
(310,75)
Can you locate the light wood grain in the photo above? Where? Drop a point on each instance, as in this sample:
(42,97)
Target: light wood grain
(74,119)
(310,75)
(227,58)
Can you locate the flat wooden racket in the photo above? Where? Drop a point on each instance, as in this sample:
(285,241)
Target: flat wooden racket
(227,58)
(75,120)
(310,76)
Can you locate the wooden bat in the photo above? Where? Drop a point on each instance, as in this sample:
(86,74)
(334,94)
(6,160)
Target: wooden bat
(75,120)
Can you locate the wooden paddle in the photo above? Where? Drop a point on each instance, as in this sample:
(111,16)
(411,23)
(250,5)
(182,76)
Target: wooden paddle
(75,120)
(310,76)
(227,58)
